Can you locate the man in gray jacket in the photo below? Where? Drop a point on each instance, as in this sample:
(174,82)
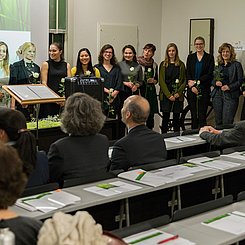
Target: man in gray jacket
(225,138)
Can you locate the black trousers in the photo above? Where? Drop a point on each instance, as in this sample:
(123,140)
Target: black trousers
(198,108)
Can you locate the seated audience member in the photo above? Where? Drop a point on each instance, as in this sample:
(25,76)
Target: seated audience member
(225,138)
(13,131)
(141,145)
(12,183)
(79,229)
(84,152)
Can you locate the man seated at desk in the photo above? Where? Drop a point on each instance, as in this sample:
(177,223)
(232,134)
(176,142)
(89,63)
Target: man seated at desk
(141,145)
(231,137)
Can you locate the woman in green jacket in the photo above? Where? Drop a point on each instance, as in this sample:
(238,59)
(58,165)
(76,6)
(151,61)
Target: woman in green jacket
(172,81)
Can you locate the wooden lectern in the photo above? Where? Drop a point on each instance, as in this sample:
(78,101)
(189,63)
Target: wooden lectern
(29,94)
(32,94)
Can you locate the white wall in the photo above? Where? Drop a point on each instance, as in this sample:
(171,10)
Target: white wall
(228,17)
(146,14)
(228,23)
(39,28)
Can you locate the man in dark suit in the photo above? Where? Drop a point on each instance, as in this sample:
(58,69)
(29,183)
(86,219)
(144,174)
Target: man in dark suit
(141,145)
(225,138)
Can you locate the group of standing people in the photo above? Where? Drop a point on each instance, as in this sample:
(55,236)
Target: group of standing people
(139,75)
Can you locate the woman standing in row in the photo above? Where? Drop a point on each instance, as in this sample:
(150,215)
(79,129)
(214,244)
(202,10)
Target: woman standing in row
(132,74)
(228,78)
(148,89)
(52,72)
(84,67)
(110,71)
(200,66)
(172,83)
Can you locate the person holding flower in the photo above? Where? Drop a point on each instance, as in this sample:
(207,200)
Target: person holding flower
(25,71)
(227,85)
(199,74)
(148,89)
(52,72)
(110,71)
(84,66)
(132,74)
(172,81)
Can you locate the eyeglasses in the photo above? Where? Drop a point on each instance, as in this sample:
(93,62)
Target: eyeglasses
(199,44)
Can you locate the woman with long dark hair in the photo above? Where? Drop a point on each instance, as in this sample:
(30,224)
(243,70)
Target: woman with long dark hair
(52,72)
(84,66)
(110,71)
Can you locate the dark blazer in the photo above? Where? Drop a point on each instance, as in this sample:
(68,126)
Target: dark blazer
(140,146)
(78,156)
(19,74)
(206,75)
(231,137)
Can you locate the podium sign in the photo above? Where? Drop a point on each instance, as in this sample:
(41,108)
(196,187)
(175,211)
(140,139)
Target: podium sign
(29,94)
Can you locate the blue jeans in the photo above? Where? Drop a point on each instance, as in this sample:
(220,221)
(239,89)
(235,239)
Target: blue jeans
(225,107)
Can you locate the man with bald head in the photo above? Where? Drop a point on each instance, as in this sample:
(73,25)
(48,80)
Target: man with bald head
(141,145)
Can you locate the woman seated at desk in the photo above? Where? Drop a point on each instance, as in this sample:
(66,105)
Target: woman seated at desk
(84,152)
(13,181)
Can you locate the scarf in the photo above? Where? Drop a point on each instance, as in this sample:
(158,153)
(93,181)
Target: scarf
(141,60)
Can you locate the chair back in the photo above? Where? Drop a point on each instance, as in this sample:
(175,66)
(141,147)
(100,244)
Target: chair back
(39,189)
(142,226)
(205,154)
(241,196)
(40,174)
(157,165)
(201,208)
(97,176)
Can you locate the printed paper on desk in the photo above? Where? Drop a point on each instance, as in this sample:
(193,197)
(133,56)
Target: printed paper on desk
(179,139)
(48,201)
(173,173)
(154,237)
(234,157)
(215,163)
(113,188)
(231,223)
(143,177)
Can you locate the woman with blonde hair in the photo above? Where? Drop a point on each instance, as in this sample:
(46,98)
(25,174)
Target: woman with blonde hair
(25,71)
(172,83)
(228,78)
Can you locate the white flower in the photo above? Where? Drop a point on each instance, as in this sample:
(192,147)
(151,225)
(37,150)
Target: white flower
(198,82)
(35,74)
(177,81)
(216,64)
(87,73)
(149,69)
(131,68)
(111,90)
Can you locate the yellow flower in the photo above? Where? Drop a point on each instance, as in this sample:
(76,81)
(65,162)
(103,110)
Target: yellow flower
(177,81)
(149,69)
(111,90)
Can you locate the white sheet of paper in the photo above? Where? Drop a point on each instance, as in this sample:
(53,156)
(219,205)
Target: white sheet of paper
(232,223)
(118,187)
(149,178)
(179,139)
(153,236)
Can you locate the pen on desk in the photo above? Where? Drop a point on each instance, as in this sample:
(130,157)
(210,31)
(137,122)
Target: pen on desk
(168,239)
(179,139)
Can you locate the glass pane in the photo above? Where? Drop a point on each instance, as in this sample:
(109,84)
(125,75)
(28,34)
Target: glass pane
(61,15)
